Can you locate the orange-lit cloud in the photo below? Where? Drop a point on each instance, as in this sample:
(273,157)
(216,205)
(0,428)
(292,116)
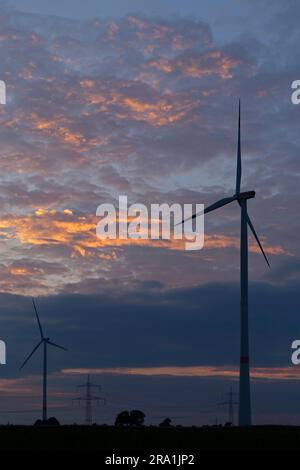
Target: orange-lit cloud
(210,63)
(161,111)
(138,96)
(57,127)
(264,373)
(51,227)
(13,387)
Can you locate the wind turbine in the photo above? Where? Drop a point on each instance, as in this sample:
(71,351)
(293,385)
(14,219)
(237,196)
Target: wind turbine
(44,341)
(241,198)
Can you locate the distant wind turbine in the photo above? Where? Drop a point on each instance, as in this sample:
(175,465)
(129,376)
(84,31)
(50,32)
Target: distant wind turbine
(45,341)
(241,198)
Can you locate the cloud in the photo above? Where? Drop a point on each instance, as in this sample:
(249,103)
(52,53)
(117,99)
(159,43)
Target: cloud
(55,236)
(149,325)
(288,373)
(142,106)
(147,336)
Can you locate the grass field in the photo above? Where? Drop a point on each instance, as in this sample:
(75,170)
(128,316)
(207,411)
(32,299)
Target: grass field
(108,438)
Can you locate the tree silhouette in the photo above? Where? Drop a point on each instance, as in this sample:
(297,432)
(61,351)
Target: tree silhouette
(166,423)
(132,418)
(50,422)
(137,418)
(123,419)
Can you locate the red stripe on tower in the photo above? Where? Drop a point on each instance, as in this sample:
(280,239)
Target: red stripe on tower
(244,360)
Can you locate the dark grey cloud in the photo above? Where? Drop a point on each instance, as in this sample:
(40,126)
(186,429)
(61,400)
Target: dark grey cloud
(147,327)
(151,325)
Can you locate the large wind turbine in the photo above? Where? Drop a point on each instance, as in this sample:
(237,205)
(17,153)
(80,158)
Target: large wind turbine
(241,198)
(45,341)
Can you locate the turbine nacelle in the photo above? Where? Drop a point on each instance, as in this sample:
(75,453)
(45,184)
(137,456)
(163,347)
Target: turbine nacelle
(245,195)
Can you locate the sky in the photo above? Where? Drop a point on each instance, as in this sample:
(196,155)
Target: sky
(140,98)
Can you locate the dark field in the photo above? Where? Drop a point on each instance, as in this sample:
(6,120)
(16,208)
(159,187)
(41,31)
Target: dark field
(107,438)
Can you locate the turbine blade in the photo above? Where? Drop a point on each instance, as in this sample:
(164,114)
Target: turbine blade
(31,354)
(57,346)
(239,158)
(38,320)
(257,239)
(216,205)
(220,203)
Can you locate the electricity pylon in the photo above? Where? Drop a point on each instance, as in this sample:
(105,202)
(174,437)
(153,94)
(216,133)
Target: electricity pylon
(88,399)
(230,403)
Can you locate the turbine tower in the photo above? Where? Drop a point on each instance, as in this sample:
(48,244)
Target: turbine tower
(241,198)
(45,342)
(88,399)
